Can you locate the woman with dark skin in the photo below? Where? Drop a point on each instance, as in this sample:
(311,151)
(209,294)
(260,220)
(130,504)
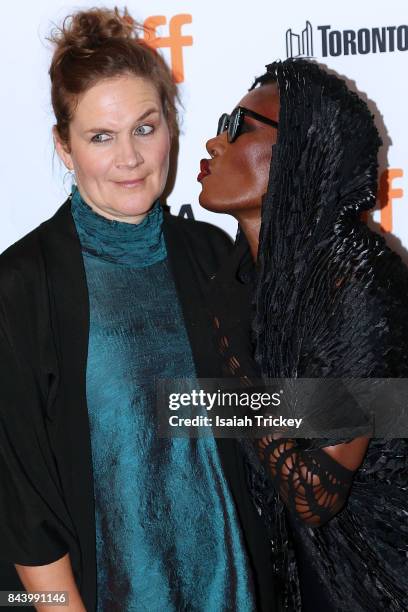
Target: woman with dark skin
(296,171)
(240,194)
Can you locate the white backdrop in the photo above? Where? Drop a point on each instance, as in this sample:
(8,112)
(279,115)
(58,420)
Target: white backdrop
(224,45)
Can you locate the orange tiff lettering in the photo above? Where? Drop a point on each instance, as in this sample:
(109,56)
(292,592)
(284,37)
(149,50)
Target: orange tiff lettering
(386,194)
(175,40)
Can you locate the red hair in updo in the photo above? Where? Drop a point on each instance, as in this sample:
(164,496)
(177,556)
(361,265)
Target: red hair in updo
(98,44)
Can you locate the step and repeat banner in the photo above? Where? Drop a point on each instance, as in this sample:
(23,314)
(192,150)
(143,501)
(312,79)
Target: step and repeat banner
(215,50)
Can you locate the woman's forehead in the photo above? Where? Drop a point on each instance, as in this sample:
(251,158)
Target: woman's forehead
(263,100)
(115,100)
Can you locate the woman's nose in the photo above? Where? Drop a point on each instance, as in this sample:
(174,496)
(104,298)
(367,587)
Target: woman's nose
(215,146)
(128,155)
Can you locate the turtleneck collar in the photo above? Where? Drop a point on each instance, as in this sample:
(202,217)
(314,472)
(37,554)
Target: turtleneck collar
(136,245)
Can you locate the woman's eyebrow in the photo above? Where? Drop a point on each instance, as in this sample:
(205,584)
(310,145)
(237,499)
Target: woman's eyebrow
(99,130)
(149,111)
(104,130)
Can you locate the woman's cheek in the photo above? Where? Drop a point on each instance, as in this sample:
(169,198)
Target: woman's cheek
(162,159)
(261,165)
(93,163)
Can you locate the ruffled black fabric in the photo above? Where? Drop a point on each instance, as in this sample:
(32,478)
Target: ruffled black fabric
(332,301)
(313,486)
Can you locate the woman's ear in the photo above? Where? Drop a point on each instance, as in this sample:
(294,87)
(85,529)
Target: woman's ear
(62,150)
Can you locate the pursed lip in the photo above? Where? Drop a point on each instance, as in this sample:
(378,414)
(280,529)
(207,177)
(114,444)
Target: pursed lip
(204,169)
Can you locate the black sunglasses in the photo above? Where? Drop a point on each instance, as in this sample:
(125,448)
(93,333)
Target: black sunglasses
(233,123)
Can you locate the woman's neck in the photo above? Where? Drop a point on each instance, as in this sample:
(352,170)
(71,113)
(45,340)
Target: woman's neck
(251,225)
(132,244)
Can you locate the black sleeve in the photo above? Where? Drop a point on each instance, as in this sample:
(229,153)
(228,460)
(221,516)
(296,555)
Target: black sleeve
(312,484)
(32,514)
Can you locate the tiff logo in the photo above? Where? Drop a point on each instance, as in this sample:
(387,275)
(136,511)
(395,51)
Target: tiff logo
(175,41)
(387,193)
(298,45)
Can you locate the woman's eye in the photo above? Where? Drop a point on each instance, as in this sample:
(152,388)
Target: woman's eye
(144,130)
(246,127)
(100,138)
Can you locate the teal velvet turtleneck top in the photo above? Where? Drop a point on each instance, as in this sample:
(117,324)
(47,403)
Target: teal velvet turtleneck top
(167,532)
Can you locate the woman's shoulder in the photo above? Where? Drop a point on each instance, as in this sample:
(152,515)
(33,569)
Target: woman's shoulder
(20,260)
(23,262)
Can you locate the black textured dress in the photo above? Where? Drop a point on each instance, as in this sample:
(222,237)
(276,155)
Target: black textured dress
(331,301)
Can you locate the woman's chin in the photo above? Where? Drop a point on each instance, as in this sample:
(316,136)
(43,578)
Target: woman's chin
(210,204)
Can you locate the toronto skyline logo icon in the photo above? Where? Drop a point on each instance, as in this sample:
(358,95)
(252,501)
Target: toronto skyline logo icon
(300,45)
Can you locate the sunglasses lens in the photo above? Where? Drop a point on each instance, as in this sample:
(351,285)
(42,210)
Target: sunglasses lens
(234,125)
(223,123)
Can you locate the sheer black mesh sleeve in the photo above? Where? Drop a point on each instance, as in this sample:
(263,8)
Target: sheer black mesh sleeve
(312,485)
